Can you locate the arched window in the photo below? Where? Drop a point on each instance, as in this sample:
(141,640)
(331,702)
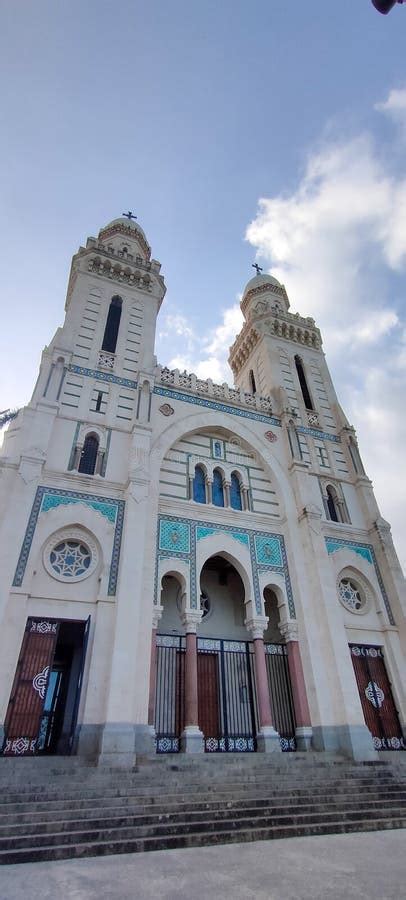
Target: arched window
(332,504)
(199,485)
(88,457)
(303,383)
(253,386)
(218,492)
(112,325)
(235,492)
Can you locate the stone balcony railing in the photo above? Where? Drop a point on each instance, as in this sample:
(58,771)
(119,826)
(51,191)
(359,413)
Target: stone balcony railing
(186,381)
(106,360)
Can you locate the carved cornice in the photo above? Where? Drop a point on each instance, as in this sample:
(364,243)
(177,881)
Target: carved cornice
(289,327)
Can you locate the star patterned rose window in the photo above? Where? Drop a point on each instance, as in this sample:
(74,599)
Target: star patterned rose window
(70,558)
(350,595)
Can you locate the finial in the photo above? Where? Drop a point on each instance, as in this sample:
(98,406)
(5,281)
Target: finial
(257,267)
(129,215)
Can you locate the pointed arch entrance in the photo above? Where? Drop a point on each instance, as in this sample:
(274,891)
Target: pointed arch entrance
(228,715)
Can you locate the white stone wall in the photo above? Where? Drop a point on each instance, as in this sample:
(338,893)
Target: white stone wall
(152,431)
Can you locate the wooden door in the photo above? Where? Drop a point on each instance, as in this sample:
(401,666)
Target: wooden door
(208,700)
(29,687)
(376,697)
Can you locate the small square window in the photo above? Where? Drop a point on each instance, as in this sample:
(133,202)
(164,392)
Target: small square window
(217,449)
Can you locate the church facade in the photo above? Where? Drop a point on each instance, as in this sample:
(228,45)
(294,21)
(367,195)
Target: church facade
(189,566)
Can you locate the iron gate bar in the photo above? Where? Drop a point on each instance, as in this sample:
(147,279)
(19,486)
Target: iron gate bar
(235,688)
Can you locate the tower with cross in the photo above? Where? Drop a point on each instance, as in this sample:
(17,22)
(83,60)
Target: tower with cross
(218,543)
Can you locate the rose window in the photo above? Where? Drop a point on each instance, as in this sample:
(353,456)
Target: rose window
(350,595)
(70,558)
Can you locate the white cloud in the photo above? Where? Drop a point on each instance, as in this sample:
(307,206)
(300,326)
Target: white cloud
(394,106)
(206,355)
(336,242)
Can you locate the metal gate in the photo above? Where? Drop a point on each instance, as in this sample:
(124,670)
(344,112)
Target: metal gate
(169,692)
(226,694)
(376,697)
(281,694)
(228,713)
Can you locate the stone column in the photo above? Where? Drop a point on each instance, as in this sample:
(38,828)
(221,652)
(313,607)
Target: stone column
(191,738)
(267,737)
(244,498)
(209,490)
(304,731)
(156,615)
(227,493)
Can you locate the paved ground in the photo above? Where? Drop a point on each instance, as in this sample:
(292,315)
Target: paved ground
(334,867)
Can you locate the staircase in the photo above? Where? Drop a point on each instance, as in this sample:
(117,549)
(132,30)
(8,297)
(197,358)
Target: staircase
(60,808)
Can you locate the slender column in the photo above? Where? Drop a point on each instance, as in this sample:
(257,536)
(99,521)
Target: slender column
(267,737)
(302,714)
(244,496)
(227,494)
(191,738)
(156,615)
(191,707)
(264,703)
(152,680)
(209,490)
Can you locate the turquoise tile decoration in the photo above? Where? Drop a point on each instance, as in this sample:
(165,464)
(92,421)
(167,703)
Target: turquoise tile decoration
(366,551)
(174,536)
(268,551)
(202,532)
(51,501)
(47,498)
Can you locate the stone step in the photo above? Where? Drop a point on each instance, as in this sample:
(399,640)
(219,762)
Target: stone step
(188,778)
(63,801)
(70,810)
(190,839)
(42,768)
(131,818)
(155,828)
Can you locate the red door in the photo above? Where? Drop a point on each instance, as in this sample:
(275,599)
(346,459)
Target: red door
(207,685)
(29,687)
(376,697)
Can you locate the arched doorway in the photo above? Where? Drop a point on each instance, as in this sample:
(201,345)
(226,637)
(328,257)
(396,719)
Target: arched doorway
(169,701)
(227,704)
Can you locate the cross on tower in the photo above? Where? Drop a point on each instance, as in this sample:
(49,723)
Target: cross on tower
(129,215)
(257,267)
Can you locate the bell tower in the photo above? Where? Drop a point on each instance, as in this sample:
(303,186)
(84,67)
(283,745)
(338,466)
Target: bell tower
(279,353)
(114,293)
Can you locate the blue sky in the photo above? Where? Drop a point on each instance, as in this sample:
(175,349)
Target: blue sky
(283,123)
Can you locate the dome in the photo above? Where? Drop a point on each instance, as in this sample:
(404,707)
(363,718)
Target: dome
(128,223)
(260,281)
(130,229)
